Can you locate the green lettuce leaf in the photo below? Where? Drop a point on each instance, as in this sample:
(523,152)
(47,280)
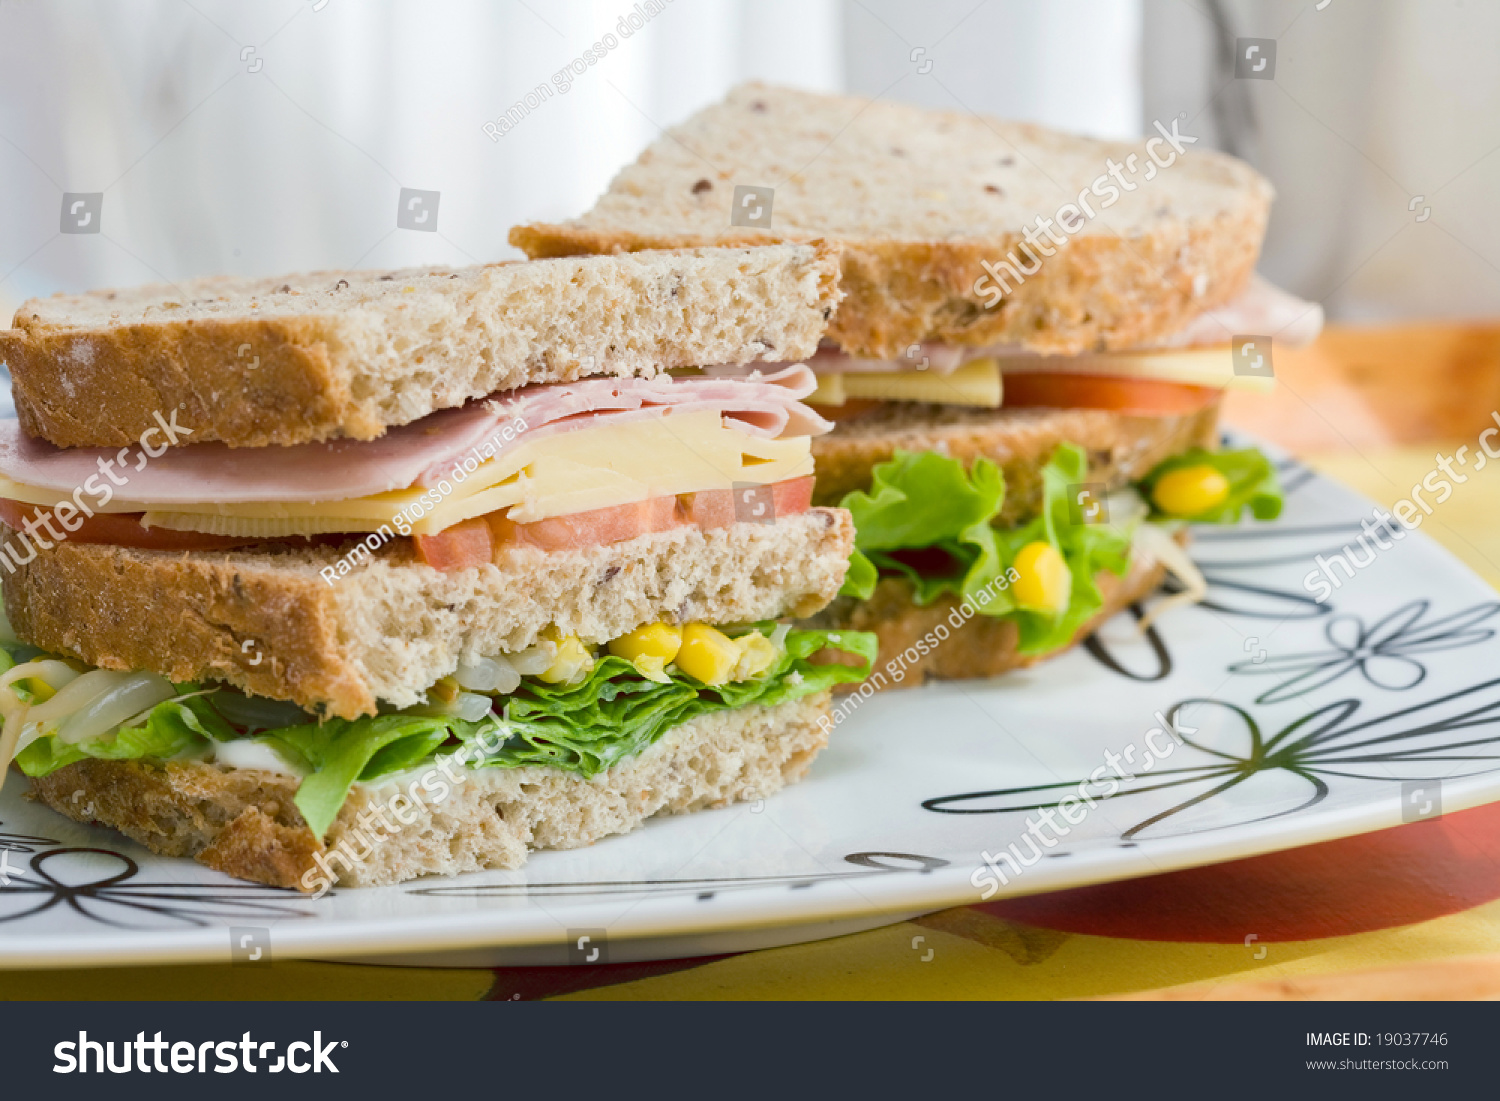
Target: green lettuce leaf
(1088,549)
(860,581)
(928,519)
(343,751)
(584,728)
(1252,484)
(170,730)
(615,713)
(925,518)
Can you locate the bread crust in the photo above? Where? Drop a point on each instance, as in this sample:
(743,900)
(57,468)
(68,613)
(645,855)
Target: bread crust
(921,200)
(139,369)
(981,647)
(244,823)
(266,621)
(257,363)
(1099,293)
(1121,448)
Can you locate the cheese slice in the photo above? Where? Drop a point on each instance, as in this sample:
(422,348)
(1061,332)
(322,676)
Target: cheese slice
(976,383)
(979,382)
(1195,366)
(557,475)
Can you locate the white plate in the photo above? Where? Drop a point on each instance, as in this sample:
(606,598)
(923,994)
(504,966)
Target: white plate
(1318,721)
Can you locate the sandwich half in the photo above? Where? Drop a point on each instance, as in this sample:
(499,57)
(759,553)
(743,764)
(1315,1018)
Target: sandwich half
(1026,368)
(505,576)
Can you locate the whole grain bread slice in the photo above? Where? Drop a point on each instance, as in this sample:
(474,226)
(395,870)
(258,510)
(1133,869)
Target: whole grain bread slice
(1121,447)
(270,623)
(255,362)
(243,822)
(920,199)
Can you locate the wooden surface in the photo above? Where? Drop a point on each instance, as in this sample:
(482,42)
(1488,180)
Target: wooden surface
(1363,390)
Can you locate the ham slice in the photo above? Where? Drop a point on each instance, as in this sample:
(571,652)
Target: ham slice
(764,404)
(941,359)
(1261,309)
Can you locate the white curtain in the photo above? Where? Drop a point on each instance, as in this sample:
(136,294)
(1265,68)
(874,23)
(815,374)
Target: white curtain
(256,138)
(253,138)
(1071,64)
(1381,132)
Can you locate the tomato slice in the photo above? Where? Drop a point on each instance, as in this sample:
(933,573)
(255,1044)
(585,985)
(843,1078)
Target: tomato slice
(467,543)
(714,508)
(589,529)
(122,529)
(1145,397)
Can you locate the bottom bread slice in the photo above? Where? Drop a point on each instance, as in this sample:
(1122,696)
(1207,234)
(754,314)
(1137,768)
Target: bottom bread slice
(243,822)
(980,646)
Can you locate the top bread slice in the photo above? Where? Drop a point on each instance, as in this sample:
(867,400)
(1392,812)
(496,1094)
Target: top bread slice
(919,199)
(258,362)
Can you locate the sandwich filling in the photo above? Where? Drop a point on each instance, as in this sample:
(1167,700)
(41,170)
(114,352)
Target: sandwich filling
(542,468)
(931,521)
(1185,373)
(928,520)
(559,704)
(561,465)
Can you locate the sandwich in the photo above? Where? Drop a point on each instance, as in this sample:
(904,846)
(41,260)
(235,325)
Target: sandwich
(347,578)
(1026,368)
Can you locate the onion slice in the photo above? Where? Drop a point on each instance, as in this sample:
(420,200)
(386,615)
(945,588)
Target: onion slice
(468,706)
(488,674)
(534,660)
(1158,545)
(51,672)
(128,695)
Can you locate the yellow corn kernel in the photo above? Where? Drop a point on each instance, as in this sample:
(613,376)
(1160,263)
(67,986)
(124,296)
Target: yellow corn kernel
(655,640)
(444,691)
(1045,583)
(1190,490)
(572,663)
(757,654)
(652,668)
(38,688)
(707,654)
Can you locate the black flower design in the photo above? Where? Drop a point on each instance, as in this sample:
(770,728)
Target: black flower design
(1105,655)
(872,863)
(1228,556)
(25,842)
(101,884)
(1290,772)
(1382,653)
